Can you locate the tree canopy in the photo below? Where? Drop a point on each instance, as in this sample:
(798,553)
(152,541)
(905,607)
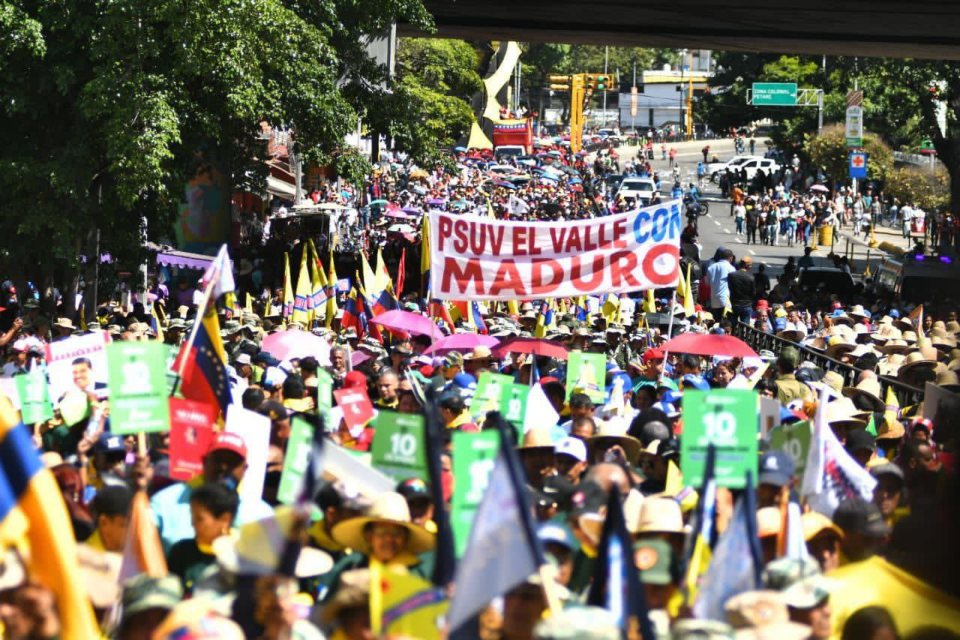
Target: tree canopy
(110,105)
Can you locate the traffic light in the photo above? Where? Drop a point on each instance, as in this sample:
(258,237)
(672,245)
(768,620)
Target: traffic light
(560,83)
(601,82)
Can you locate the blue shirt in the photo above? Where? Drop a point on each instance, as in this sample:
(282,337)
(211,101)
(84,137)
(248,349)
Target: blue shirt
(171,513)
(719,289)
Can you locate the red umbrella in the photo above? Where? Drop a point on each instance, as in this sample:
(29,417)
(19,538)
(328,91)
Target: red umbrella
(461,342)
(699,344)
(407,322)
(534,346)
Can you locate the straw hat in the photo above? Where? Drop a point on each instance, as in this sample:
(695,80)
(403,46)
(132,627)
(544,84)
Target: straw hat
(842,319)
(868,391)
(839,345)
(948,379)
(64,323)
(915,364)
(537,438)
(886,332)
(891,364)
(894,345)
(953,327)
(864,349)
(830,379)
(793,335)
(614,432)
(480,352)
(658,515)
(890,430)
(858,312)
(258,547)
(391,508)
(905,324)
(842,411)
(910,336)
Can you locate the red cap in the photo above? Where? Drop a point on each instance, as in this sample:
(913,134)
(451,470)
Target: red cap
(547,380)
(355,380)
(762,304)
(652,354)
(226,441)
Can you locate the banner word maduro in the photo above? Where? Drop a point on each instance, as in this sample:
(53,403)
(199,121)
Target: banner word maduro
(481,259)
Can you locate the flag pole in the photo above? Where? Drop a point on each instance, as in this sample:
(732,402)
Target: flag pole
(201,311)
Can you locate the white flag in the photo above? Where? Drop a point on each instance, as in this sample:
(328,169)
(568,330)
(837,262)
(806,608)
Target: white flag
(831,475)
(220,273)
(539,411)
(498,556)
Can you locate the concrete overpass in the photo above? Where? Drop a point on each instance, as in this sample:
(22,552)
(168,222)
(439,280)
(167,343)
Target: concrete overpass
(877,28)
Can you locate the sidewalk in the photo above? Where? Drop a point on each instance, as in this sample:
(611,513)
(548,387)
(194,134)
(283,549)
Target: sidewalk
(889,240)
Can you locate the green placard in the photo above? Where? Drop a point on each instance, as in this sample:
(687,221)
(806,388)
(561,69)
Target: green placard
(474,455)
(794,439)
(169,370)
(138,387)
(587,373)
(513,403)
(295,461)
(35,405)
(398,445)
(325,397)
(726,418)
(489,394)
(774,94)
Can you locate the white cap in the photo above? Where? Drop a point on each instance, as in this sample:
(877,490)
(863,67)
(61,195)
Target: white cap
(243,358)
(573,447)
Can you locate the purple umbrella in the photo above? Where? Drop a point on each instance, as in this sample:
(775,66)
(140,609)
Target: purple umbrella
(393,213)
(413,210)
(436,201)
(461,342)
(406,322)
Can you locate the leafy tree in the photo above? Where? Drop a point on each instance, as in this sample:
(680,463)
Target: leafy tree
(830,152)
(930,190)
(439,77)
(110,105)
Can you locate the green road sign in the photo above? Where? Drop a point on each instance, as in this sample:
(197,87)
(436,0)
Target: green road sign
(398,445)
(726,418)
(774,94)
(474,455)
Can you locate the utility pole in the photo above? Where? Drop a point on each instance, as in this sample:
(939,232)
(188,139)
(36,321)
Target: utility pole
(606,61)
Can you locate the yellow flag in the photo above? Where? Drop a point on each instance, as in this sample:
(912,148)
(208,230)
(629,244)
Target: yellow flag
(513,308)
(649,303)
(369,277)
(490,212)
(287,287)
(611,308)
(83,317)
(689,307)
(157,322)
(331,293)
(425,245)
(383,279)
(248,307)
(301,302)
(891,408)
(402,605)
(674,483)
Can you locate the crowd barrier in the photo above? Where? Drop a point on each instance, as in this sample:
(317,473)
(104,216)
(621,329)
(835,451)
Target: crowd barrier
(760,340)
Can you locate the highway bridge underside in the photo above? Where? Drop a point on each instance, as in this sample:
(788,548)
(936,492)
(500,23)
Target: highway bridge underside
(915,29)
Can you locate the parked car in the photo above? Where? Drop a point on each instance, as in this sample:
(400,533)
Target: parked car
(716,169)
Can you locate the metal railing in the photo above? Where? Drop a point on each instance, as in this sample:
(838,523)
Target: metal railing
(761,340)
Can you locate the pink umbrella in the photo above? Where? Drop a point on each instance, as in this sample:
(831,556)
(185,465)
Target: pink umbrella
(295,343)
(533,346)
(407,322)
(709,345)
(461,342)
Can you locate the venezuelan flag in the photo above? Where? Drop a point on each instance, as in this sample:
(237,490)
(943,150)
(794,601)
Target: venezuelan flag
(287,287)
(318,283)
(301,303)
(477,319)
(205,371)
(354,313)
(28,490)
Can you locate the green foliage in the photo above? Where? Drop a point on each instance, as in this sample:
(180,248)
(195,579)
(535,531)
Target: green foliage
(829,151)
(437,78)
(930,190)
(110,104)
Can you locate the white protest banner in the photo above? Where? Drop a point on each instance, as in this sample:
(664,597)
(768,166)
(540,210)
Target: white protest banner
(78,362)
(484,259)
(255,431)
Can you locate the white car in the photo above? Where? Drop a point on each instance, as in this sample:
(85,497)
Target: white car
(642,189)
(716,169)
(756,164)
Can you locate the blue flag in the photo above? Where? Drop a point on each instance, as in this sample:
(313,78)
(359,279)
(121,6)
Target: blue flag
(737,562)
(500,554)
(616,582)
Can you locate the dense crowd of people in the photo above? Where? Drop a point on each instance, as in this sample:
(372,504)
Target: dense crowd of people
(231,564)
